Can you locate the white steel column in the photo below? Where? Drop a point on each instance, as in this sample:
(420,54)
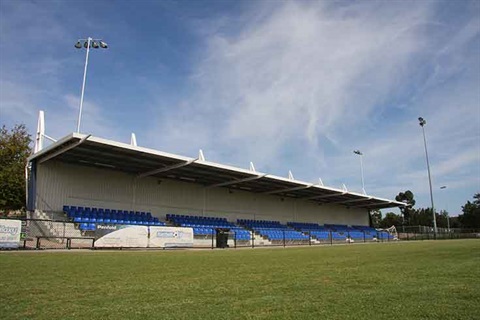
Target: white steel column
(361,168)
(83,84)
(422,124)
(39,137)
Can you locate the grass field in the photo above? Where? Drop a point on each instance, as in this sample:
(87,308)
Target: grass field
(415,280)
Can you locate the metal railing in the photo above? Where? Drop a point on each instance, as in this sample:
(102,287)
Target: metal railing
(60,234)
(238,238)
(407,233)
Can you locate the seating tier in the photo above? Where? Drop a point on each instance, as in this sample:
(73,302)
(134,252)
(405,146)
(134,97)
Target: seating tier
(88,218)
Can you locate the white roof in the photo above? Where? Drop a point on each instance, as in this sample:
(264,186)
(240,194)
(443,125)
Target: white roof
(87,150)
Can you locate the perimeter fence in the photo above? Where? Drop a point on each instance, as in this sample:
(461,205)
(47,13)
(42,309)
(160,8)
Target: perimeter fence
(62,234)
(427,233)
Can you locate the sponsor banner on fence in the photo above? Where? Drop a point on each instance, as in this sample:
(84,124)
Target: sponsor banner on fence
(168,237)
(121,236)
(10,233)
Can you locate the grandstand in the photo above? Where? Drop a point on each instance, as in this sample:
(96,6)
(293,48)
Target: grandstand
(89,181)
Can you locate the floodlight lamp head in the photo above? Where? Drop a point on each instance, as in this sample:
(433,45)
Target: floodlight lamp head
(358,152)
(95,45)
(443,187)
(78,45)
(422,121)
(85,44)
(103,45)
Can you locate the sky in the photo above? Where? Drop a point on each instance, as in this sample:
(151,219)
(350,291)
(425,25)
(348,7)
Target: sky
(288,85)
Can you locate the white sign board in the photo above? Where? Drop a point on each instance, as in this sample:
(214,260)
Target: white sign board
(10,233)
(168,237)
(122,236)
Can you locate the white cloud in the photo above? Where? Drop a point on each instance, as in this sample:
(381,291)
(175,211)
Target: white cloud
(303,86)
(302,73)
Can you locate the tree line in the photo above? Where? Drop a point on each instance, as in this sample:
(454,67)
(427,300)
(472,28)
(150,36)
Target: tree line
(469,219)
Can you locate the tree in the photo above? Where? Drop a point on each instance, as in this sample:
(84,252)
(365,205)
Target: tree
(421,217)
(376,216)
(442,219)
(455,222)
(407,198)
(391,219)
(14,151)
(471,213)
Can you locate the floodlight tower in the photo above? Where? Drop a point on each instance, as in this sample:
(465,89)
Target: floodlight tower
(422,123)
(87,44)
(358,152)
(448,215)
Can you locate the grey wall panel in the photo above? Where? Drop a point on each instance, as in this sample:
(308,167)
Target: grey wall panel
(59,184)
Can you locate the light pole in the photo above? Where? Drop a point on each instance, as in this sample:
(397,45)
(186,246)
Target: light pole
(358,152)
(448,215)
(422,123)
(87,44)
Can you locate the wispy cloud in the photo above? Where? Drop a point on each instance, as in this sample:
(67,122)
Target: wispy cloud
(304,85)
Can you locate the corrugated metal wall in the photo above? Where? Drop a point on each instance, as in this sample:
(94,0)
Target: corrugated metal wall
(61,184)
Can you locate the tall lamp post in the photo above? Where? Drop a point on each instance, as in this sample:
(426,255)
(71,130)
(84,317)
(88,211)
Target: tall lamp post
(87,44)
(448,215)
(358,152)
(422,123)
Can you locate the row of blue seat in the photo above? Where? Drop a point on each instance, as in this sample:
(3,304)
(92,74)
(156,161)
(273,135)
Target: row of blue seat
(238,234)
(305,226)
(192,218)
(283,234)
(356,235)
(118,220)
(96,215)
(87,226)
(206,226)
(201,225)
(73,214)
(273,230)
(255,224)
(215,226)
(74,209)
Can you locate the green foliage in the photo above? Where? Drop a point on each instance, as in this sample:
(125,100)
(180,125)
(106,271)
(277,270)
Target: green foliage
(408,198)
(442,219)
(14,151)
(376,216)
(471,213)
(455,222)
(391,219)
(421,217)
(418,217)
(470,219)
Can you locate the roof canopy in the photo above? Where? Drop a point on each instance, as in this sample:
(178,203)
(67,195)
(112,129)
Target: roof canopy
(87,150)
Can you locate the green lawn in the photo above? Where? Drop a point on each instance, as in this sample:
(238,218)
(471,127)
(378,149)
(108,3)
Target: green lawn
(415,280)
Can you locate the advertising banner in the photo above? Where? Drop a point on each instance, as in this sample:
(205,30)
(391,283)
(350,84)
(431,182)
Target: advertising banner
(169,237)
(125,236)
(10,233)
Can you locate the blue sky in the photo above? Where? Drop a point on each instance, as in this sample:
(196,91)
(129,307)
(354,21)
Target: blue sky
(289,85)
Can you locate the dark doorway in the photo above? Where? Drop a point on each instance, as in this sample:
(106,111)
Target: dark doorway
(222,237)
